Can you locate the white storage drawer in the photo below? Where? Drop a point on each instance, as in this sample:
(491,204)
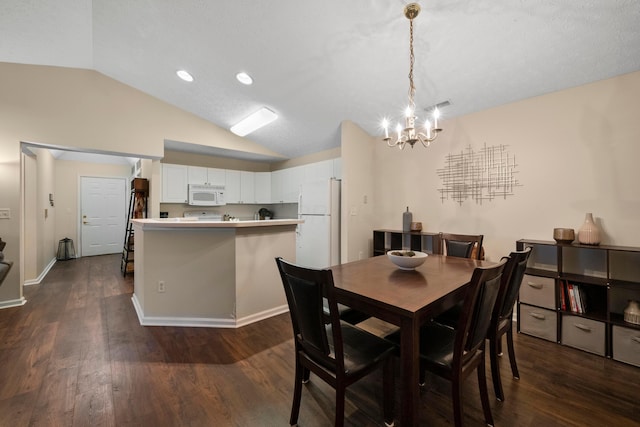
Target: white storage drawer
(540,291)
(539,322)
(626,345)
(585,334)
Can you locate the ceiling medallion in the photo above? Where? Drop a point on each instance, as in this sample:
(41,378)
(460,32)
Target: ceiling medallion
(409,134)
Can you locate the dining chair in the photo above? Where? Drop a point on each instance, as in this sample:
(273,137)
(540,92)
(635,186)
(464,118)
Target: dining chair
(502,318)
(462,245)
(336,351)
(454,353)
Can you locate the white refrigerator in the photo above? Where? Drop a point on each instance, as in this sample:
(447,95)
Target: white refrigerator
(318,238)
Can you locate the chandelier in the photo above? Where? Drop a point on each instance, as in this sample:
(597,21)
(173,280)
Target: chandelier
(409,134)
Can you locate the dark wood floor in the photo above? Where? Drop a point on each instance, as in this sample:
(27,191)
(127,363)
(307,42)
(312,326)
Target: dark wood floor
(75,355)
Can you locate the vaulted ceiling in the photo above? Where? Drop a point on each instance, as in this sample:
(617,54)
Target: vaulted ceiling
(316,63)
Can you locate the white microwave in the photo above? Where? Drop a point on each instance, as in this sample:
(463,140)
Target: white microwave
(206,195)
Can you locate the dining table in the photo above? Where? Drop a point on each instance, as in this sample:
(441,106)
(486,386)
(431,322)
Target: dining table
(407,299)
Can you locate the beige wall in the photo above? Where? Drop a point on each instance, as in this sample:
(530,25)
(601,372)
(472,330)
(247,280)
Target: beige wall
(191,159)
(358,192)
(333,153)
(576,151)
(45,216)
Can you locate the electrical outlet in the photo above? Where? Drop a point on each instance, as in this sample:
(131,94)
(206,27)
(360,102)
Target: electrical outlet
(161,286)
(5,213)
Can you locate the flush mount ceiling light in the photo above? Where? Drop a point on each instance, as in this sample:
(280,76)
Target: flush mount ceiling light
(184,75)
(255,121)
(409,134)
(244,78)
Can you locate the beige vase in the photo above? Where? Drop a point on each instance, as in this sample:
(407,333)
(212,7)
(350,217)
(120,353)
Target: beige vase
(589,233)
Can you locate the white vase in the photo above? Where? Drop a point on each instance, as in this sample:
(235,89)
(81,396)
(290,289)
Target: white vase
(632,312)
(589,233)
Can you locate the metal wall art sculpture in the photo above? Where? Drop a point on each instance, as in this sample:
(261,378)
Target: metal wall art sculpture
(479,176)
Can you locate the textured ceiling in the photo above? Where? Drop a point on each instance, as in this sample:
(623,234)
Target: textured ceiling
(316,63)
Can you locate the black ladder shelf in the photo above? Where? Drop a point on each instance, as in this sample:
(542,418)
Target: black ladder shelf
(137,209)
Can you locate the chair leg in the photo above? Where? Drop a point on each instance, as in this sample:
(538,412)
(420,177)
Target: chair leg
(484,394)
(297,392)
(512,354)
(495,367)
(306,375)
(456,397)
(340,391)
(388,391)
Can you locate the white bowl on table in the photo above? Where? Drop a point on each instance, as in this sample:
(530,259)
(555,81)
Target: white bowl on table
(407,260)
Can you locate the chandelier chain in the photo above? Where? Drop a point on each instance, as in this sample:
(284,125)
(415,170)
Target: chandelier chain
(412,88)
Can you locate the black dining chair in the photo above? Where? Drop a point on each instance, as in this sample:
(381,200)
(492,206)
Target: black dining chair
(336,351)
(462,245)
(454,353)
(502,318)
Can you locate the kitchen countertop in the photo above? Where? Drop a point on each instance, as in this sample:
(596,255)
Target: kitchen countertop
(158,223)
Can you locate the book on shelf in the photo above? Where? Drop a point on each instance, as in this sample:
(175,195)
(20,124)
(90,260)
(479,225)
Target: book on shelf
(583,299)
(563,300)
(577,295)
(572,298)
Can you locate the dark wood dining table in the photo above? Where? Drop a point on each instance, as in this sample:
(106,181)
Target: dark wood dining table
(406,299)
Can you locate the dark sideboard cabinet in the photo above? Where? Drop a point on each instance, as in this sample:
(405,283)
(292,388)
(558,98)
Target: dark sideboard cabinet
(576,295)
(386,240)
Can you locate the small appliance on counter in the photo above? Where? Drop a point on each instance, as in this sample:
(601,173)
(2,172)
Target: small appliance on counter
(265,213)
(164,214)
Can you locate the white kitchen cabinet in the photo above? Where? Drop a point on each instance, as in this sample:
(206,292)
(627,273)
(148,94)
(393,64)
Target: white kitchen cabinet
(211,176)
(292,179)
(216,176)
(262,184)
(196,175)
(247,187)
(174,183)
(232,186)
(240,187)
(276,186)
(285,184)
(318,171)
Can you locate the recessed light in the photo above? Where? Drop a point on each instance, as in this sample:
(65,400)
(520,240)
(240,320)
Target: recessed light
(255,121)
(184,75)
(244,78)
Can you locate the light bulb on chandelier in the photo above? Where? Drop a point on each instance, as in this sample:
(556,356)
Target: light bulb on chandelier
(409,134)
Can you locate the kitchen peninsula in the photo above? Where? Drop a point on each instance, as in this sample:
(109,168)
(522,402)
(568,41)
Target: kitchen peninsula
(210,273)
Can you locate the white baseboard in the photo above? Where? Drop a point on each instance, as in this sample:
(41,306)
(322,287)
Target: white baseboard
(203,322)
(261,316)
(42,275)
(13,303)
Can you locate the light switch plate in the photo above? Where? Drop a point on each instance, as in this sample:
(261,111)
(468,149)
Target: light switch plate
(5,213)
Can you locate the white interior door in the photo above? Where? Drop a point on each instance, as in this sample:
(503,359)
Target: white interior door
(103,215)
